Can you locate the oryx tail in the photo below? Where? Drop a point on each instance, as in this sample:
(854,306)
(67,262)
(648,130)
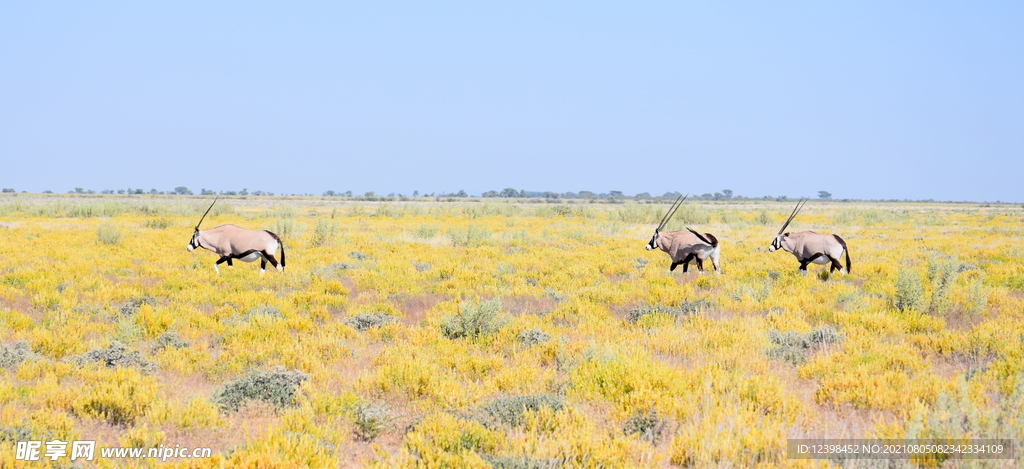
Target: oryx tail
(846,250)
(706,237)
(280,243)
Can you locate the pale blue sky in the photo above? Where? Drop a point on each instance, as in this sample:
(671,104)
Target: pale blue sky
(863,99)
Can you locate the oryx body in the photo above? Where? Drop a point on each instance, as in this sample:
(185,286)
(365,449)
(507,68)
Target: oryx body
(232,242)
(809,247)
(685,247)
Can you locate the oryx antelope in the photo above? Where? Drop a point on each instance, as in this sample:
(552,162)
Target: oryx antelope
(231,242)
(810,247)
(685,247)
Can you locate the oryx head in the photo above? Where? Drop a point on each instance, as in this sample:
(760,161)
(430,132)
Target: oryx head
(653,244)
(194,243)
(777,243)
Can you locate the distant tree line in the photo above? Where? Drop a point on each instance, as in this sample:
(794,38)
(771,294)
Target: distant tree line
(180,190)
(511,193)
(507,193)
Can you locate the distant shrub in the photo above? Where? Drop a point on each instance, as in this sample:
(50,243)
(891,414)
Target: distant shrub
(824,335)
(474,320)
(470,237)
(909,294)
(370,421)
(648,425)
(421,266)
(533,337)
(425,231)
(158,223)
(764,219)
(639,214)
(509,411)
(117,355)
(109,234)
(636,314)
(284,227)
(282,211)
(278,387)
(170,339)
(510,462)
(358,256)
(685,308)
(324,232)
(389,211)
(942,273)
(21,432)
(698,305)
(791,346)
(131,307)
(269,311)
(365,321)
(14,353)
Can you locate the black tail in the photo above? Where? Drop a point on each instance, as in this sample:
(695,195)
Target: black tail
(279,243)
(845,250)
(710,238)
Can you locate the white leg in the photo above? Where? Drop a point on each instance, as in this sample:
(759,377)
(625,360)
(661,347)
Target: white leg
(263,271)
(216,269)
(279,268)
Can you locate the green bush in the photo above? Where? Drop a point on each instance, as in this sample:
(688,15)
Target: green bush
(278,387)
(170,339)
(370,421)
(109,234)
(15,353)
(470,237)
(533,337)
(365,321)
(792,346)
(425,231)
(131,307)
(509,411)
(510,462)
(942,273)
(158,223)
(474,320)
(648,425)
(909,294)
(324,232)
(116,355)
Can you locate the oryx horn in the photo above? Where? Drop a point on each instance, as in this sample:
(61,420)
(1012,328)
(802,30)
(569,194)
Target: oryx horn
(671,211)
(207,211)
(795,211)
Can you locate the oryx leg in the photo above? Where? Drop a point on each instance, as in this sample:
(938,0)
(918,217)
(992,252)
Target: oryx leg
(700,264)
(273,261)
(673,267)
(221,261)
(263,264)
(714,261)
(835,265)
(686,262)
(803,263)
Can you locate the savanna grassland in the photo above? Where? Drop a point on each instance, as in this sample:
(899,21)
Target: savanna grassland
(493,334)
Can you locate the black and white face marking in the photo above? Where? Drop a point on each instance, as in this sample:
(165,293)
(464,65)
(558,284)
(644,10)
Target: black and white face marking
(654,241)
(777,243)
(194,243)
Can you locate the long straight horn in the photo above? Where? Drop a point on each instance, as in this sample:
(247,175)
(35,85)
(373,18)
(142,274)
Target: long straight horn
(672,211)
(791,215)
(207,211)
